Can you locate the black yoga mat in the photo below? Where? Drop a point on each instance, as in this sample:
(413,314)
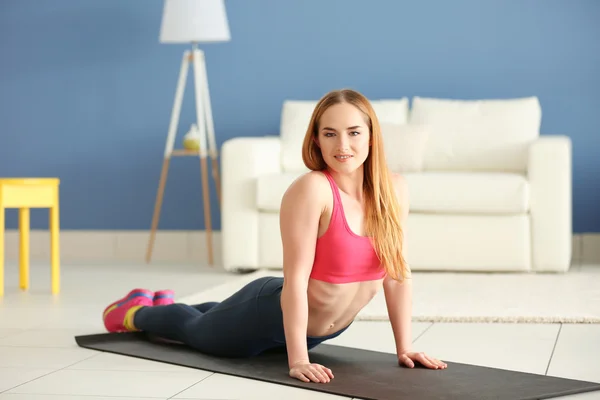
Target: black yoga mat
(358,373)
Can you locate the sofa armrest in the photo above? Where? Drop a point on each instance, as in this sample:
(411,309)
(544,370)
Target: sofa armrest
(550,178)
(243,159)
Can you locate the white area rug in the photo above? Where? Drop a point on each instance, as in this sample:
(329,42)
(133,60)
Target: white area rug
(573,297)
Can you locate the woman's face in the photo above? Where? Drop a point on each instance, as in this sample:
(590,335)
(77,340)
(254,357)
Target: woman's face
(343,137)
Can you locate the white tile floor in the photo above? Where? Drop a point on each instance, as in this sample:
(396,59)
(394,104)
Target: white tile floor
(40,360)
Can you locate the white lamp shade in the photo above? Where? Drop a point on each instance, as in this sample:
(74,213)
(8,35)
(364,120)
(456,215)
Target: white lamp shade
(186,21)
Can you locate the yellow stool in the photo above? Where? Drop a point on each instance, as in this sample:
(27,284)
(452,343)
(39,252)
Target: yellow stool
(26,193)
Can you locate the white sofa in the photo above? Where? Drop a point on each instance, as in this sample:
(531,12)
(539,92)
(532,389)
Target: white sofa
(488,192)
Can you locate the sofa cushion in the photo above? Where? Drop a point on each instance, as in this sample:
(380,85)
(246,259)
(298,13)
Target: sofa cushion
(463,192)
(270,189)
(431,192)
(295,117)
(478,135)
(405,146)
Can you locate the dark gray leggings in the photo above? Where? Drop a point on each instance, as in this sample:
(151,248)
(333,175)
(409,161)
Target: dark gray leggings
(246,324)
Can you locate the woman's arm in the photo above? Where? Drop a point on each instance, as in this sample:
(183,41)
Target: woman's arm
(398,295)
(398,298)
(300,212)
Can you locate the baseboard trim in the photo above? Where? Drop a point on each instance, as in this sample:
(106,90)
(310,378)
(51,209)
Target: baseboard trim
(177,246)
(589,245)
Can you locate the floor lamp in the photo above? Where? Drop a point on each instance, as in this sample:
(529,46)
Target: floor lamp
(192,22)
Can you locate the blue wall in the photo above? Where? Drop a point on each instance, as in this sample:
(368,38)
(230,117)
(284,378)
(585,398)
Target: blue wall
(86,90)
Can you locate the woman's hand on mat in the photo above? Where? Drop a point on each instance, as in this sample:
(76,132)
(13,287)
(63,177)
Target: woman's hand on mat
(310,372)
(410,357)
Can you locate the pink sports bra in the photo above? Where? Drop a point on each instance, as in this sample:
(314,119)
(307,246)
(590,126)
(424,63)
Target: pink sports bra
(341,255)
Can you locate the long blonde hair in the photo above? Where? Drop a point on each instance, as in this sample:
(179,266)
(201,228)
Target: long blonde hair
(382,209)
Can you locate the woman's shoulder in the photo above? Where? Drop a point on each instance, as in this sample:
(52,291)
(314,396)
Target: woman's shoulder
(308,186)
(312,180)
(399,181)
(401,188)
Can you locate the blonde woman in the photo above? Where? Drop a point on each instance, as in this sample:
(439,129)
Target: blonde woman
(342,230)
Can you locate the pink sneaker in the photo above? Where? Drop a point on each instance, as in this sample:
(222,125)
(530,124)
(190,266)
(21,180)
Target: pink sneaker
(164,297)
(118,315)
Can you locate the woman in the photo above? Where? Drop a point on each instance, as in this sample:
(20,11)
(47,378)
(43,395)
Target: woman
(342,235)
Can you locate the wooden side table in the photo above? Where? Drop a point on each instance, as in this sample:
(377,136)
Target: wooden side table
(24,194)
